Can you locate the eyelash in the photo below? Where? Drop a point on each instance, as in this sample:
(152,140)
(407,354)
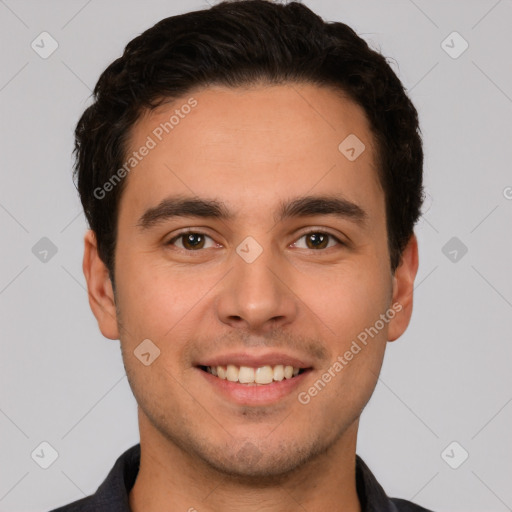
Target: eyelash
(315,232)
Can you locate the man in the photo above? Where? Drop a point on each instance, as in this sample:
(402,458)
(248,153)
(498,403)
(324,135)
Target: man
(251,176)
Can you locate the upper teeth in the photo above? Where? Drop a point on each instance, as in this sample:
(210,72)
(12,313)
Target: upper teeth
(248,375)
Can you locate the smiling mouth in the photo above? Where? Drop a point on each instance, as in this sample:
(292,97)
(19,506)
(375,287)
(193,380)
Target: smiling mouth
(261,375)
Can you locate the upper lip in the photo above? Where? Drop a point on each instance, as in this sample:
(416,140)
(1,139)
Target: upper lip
(255,360)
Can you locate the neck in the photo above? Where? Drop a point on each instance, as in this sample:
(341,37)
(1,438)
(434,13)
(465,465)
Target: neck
(172,479)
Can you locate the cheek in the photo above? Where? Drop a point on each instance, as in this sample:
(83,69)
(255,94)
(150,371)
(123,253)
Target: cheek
(157,301)
(352,304)
(348,299)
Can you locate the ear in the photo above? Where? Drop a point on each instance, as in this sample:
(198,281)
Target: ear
(403,288)
(99,287)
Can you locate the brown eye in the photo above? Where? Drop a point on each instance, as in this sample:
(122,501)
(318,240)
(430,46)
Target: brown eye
(317,240)
(189,241)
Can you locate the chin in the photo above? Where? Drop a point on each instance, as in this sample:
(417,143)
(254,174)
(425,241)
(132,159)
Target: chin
(249,462)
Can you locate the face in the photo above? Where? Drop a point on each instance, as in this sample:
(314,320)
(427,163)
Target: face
(251,247)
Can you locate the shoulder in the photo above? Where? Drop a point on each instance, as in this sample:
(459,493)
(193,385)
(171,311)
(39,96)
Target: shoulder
(407,506)
(83,505)
(113,494)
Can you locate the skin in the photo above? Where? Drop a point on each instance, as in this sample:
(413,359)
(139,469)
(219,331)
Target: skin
(251,148)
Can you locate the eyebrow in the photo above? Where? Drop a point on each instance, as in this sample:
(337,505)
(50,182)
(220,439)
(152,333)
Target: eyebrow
(179,206)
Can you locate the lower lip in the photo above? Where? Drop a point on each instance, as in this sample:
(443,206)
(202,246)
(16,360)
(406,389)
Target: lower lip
(252,394)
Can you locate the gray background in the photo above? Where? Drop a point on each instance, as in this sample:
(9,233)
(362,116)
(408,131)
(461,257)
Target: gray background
(447,379)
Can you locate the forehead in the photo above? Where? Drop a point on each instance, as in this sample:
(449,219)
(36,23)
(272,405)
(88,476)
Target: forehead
(262,142)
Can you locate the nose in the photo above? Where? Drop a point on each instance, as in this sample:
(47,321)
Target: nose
(257,296)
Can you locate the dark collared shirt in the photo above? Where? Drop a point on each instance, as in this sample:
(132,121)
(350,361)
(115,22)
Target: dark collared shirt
(112,494)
